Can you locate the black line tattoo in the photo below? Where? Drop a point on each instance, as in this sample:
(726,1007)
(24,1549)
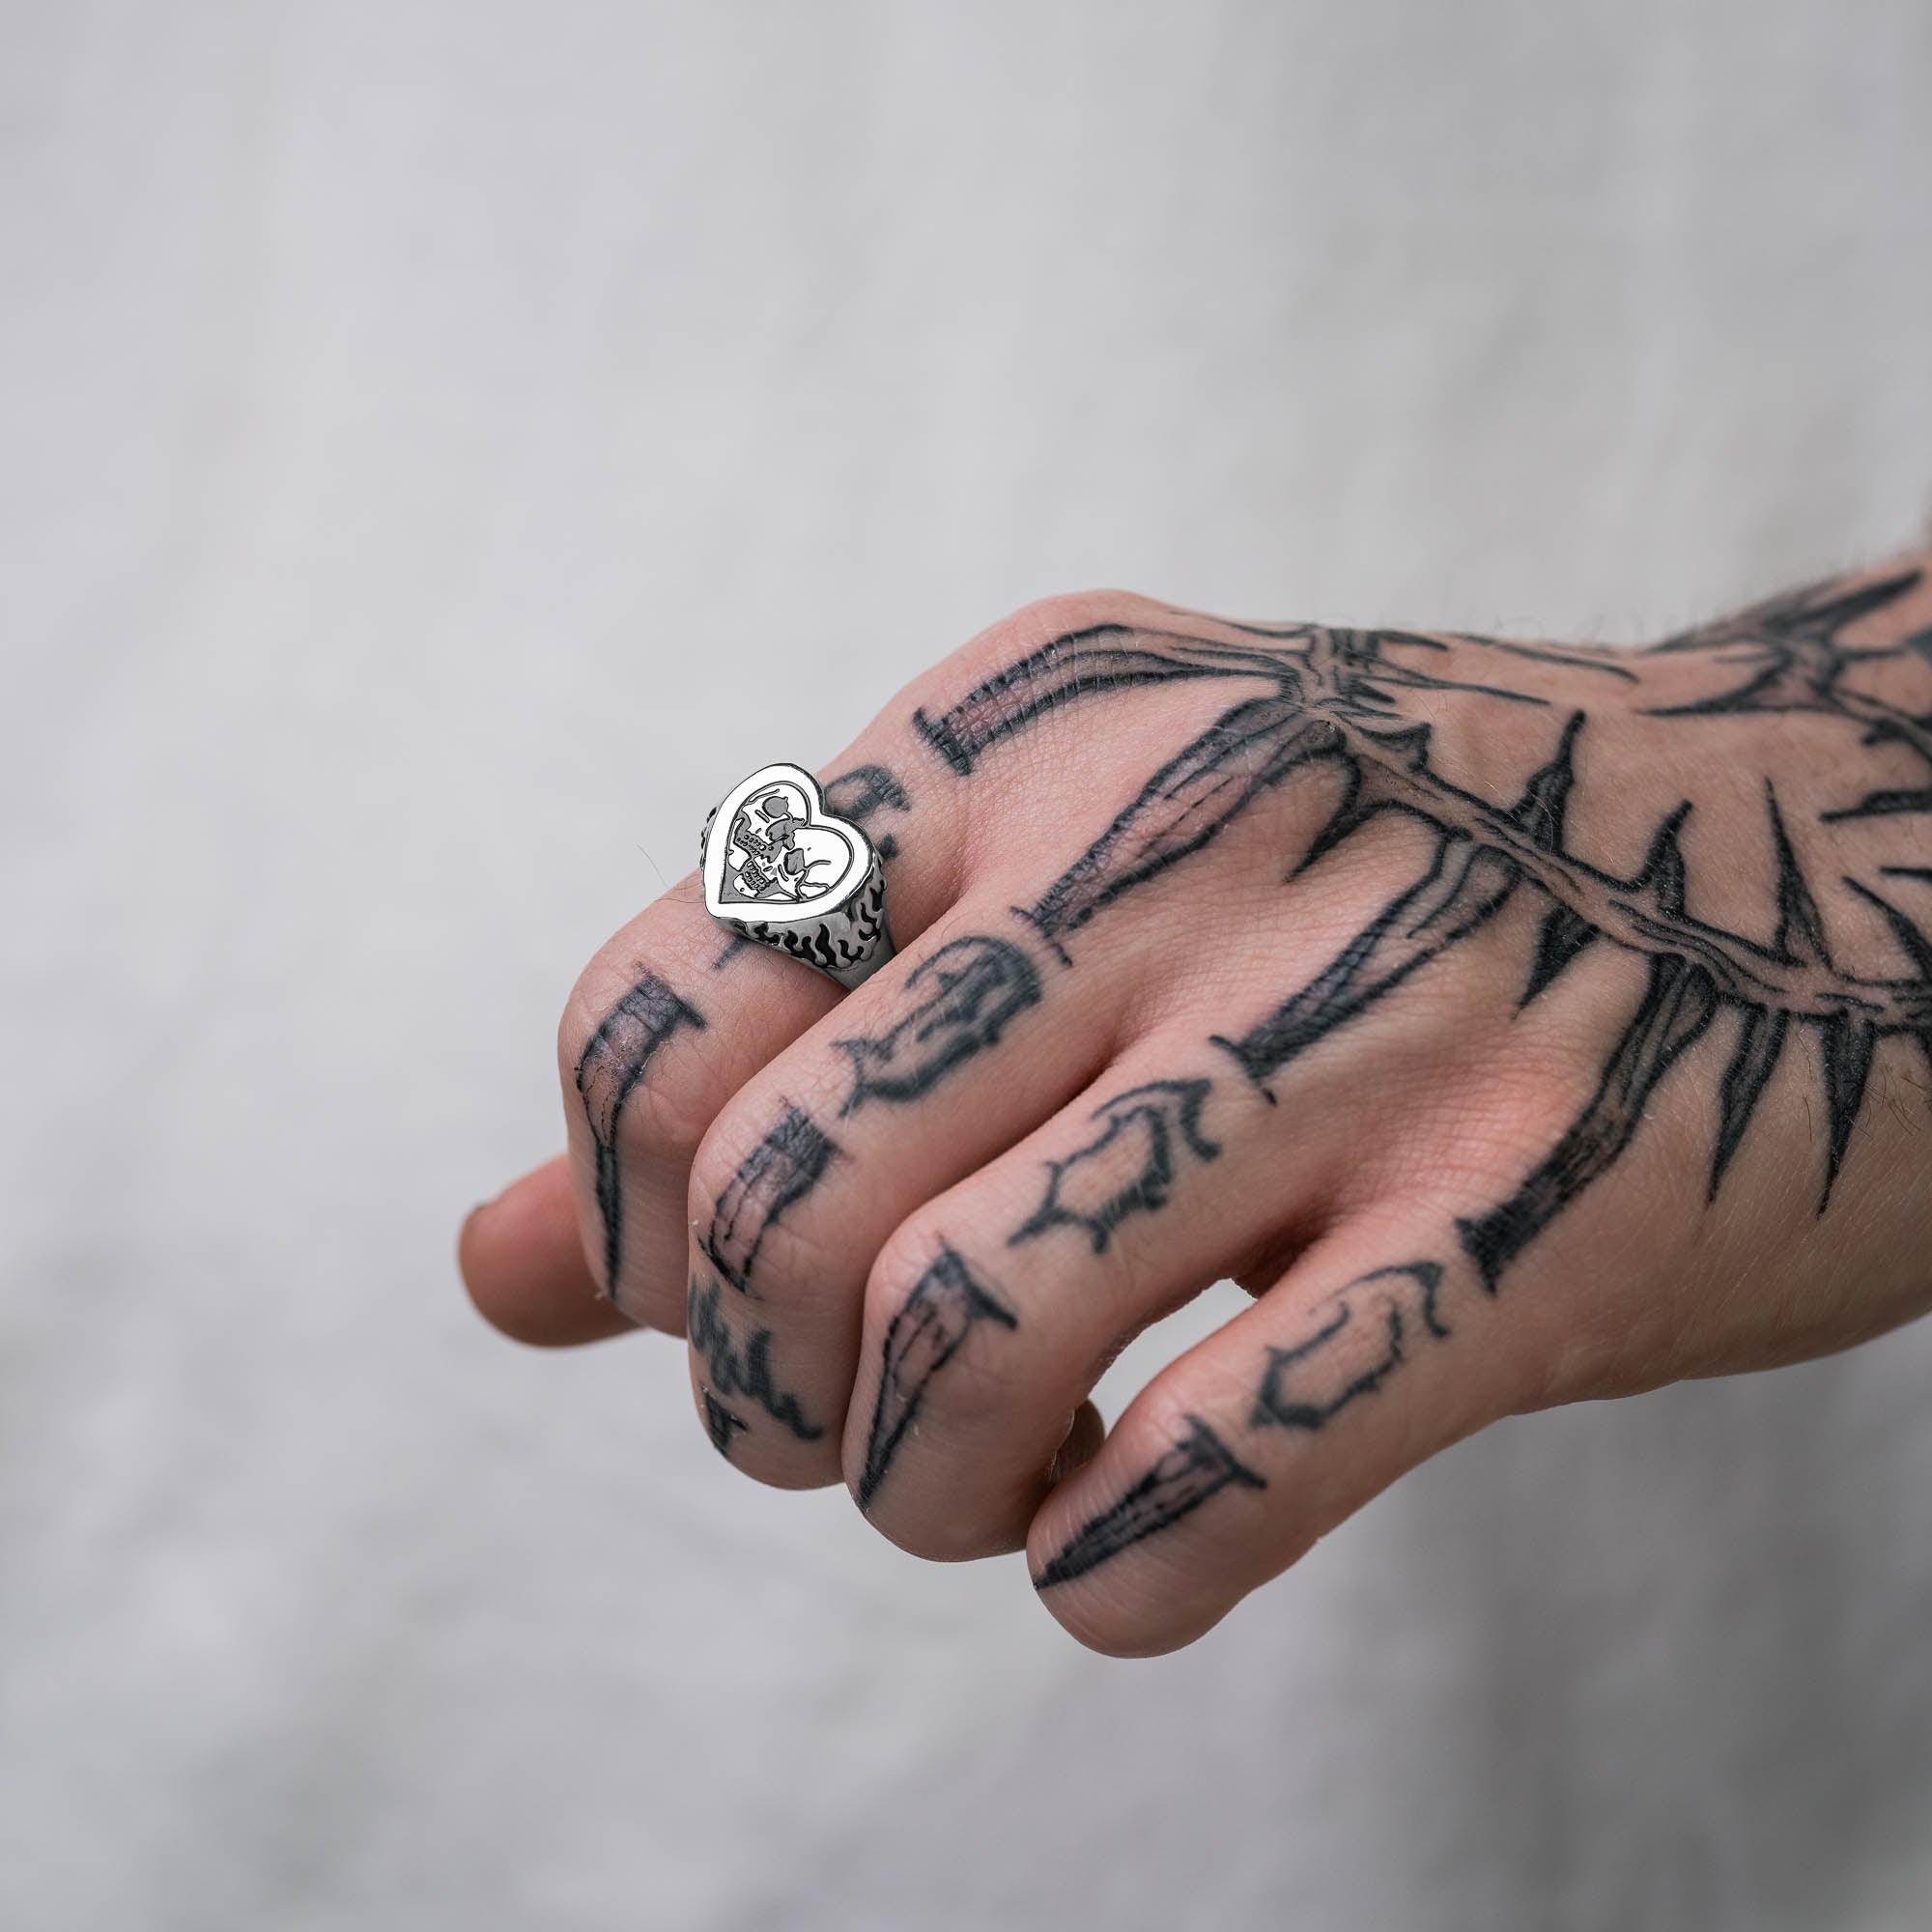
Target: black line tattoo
(1559,940)
(1357,1344)
(1102,658)
(1677,1007)
(1359,1339)
(1754,1060)
(780,1171)
(721,1424)
(966,995)
(610,1065)
(1331,703)
(1599,660)
(1465,884)
(1128,1167)
(1245,753)
(1793,651)
(1326,703)
(740,1370)
(945,1305)
(1199,1466)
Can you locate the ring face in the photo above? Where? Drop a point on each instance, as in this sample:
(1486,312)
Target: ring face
(785,870)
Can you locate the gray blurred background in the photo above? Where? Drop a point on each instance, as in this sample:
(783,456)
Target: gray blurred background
(440,447)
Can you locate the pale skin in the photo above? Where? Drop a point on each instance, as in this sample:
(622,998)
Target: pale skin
(1519,1023)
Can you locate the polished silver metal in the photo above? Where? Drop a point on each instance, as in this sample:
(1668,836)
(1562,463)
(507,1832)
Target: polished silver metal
(782,869)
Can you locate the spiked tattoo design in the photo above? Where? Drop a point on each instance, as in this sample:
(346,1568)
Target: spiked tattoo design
(780,1171)
(964,997)
(1336,709)
(612,1063)
(1128,1167)
(738,1369)
(1356,1345)
(945,1305)
(1198,1467)
(1358,713)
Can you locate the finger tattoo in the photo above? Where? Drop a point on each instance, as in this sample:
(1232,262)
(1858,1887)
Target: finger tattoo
(1129,1167)
(945,1306)
(779,1172)
(610,1066)
(1198,1467)
(737,1368)
(965,996)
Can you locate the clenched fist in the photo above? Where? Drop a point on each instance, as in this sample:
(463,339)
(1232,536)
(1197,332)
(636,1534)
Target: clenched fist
(1519,1023)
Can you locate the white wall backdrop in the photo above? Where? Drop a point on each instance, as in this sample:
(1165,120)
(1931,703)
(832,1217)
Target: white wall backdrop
(441,445)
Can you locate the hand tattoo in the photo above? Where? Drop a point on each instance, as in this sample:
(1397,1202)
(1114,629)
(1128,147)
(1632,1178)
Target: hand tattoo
(1335,707)
(1199,1466)
(1332,706)
(736,1369)
(967,994)
(612,1063)
(780,1171)
(1308,1384)
(946,1304)
(1129,1167)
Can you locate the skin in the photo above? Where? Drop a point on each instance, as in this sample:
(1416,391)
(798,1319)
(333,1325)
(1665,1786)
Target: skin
(1519,1023)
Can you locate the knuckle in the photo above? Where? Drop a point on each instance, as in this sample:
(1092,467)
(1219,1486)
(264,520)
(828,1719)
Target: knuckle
(1152,1600)
(609,1038)
(920,1277)
(1072,609)
(717,1159)
(739,1218)
(583,1014)
(907,1255)
(668,1115)
(1039,622)
(947,1405)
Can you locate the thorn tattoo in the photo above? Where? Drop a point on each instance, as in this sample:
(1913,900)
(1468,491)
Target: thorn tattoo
(1323,706)
(615,1060)
(1465,884)
(1307,1386)
(1198,1467)
(1560,940)
(966,995)
(1128,1167)
(1677,1007)
(946,1303)
(780,1171)
(1333,707)
(1245,753)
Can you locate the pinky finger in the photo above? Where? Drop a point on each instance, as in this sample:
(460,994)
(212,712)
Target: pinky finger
(1365,1359)
(522,1259)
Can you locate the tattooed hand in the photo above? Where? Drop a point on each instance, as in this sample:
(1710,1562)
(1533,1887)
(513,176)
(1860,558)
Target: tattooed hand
(1519,1023)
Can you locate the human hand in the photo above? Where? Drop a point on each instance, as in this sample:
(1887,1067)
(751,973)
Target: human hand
(1521,1024)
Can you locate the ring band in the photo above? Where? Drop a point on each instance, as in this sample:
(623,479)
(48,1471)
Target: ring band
(782,869)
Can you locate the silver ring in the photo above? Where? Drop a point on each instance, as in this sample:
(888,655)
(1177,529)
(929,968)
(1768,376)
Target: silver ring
(782,869)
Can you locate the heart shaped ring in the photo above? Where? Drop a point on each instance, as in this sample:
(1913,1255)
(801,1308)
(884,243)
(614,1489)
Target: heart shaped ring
(782,869)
